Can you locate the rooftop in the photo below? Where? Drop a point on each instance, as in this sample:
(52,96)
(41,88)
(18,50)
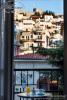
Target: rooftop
(31,56)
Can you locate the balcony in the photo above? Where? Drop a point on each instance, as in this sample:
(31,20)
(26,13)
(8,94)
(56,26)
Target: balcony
(47,79)
(33,70)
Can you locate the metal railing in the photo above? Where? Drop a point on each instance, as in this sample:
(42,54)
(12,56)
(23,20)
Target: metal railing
(51,80)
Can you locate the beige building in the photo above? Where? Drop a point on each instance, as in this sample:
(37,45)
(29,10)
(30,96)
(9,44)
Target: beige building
(27,39)
(20,15)
(25,25)
(36,32)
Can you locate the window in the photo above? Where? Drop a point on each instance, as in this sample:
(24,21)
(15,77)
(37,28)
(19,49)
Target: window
(39,65)
(26,30)
(39,37)
(22,69)
(21,41)
(22,36)
(39,44)
(28,37)
(31,36)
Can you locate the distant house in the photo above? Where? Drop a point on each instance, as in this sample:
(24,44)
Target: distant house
(48,18)
(25,25)
(28,25)
(34,17)
(38,39)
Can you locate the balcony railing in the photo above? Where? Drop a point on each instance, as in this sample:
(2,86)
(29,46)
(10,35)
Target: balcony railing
(51,80)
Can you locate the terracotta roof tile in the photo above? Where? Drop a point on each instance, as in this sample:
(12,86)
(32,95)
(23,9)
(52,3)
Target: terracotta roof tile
(31,56)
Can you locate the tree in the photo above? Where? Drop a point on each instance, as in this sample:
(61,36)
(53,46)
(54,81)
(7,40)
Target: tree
(37,13)
(48,13)
(56,55)
(34,9)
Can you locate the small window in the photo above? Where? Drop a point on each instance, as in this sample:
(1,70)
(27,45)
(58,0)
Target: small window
(28,37)
(22,36)
(31,36)
(21,42)
(41,37)
(40,44)
(26,30)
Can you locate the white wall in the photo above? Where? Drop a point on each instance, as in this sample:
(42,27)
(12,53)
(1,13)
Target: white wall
(29,65)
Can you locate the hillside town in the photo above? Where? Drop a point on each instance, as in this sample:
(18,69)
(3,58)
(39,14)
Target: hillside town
(32,64)
(37,29)
(38,51)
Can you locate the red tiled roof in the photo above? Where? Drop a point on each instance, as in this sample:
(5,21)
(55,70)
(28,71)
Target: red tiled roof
(35,17)
(31,56)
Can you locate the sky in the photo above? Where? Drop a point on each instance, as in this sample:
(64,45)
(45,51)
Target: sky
(53,5)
